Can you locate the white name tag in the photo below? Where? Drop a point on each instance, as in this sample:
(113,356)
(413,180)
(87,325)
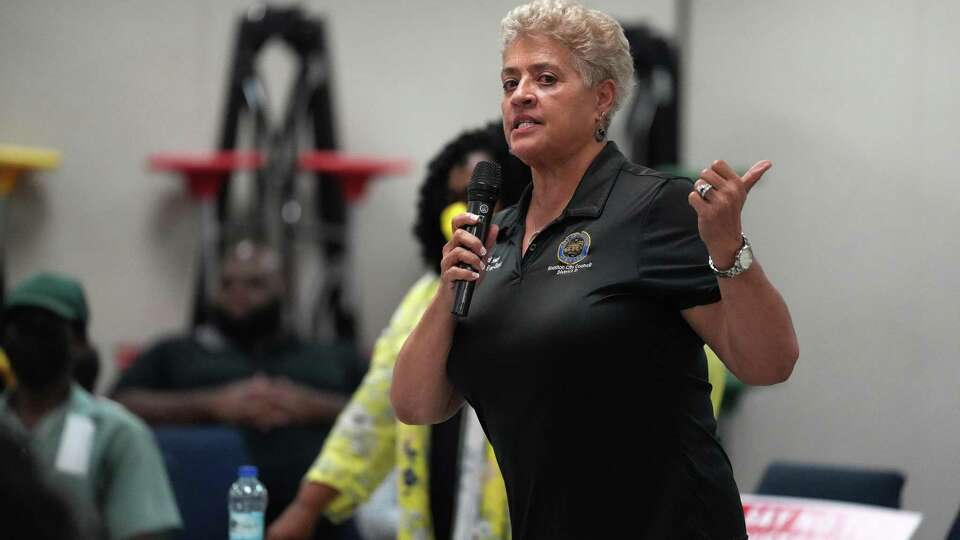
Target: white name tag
(76,445)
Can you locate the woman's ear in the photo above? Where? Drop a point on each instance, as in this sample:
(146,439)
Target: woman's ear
(606,93)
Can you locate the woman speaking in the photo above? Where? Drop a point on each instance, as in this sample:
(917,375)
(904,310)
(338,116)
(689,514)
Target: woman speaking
(583,349)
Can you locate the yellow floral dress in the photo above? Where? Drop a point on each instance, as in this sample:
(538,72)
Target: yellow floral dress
(367,442)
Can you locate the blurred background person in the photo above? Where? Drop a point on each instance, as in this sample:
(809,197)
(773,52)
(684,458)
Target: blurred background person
(368,442)
(245,369)
(101,458)
(84,357)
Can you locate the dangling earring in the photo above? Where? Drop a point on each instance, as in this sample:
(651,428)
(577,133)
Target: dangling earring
(601,132)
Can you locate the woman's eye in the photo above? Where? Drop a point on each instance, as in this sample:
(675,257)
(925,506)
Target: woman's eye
(509,84)
(547,78)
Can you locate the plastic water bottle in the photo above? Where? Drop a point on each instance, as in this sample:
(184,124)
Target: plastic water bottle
(247,502)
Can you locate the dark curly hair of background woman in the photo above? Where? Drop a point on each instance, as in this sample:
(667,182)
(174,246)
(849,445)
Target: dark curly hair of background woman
(435,195)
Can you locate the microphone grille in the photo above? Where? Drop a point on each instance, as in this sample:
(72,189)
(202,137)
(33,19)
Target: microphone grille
(485,182)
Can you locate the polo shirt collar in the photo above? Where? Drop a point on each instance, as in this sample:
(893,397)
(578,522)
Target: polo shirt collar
(590,196)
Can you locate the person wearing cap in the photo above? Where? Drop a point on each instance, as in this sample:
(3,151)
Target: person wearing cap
(95,454)
(65,296)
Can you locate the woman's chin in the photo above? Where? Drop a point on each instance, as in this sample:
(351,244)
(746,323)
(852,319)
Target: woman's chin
(525,150)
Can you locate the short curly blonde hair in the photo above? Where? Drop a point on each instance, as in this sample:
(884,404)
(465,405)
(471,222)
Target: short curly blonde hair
(599,49)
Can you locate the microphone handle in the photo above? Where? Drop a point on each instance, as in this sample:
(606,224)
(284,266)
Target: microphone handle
(464,290)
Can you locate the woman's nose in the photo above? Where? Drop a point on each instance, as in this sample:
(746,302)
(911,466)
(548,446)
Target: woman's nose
(523,95)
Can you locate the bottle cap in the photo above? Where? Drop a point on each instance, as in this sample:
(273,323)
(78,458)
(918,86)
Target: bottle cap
(248,471)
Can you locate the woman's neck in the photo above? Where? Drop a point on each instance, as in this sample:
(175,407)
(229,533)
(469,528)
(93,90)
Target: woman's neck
(554,184)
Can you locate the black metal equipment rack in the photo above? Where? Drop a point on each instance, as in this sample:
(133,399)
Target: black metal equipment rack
(309,115)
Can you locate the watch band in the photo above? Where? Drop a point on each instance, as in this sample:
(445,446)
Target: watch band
(739,264)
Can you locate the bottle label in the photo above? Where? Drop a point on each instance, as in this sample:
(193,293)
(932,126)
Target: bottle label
(246,525)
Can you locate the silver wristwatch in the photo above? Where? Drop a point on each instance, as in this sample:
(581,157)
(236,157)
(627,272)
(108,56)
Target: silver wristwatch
(741,263)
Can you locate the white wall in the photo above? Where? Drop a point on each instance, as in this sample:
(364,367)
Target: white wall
(856,104)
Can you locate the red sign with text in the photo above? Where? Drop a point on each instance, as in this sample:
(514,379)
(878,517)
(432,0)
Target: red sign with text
(789,518)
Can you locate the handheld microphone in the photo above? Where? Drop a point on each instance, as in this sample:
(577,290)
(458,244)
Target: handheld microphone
(482,194)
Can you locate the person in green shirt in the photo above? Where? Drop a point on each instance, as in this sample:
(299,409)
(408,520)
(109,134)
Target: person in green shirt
(246,369)
(100,458)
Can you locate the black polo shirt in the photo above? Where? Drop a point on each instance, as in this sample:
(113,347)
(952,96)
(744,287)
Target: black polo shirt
(588,381)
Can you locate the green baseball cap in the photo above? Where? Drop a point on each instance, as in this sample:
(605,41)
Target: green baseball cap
(58,293)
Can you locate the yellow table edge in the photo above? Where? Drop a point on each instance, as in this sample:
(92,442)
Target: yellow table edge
(28,157)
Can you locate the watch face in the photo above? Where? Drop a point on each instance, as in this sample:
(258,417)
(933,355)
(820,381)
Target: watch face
(746,257)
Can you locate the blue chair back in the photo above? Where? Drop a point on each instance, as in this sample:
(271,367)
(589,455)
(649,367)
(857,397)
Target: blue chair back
(202,463)
(832,482)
